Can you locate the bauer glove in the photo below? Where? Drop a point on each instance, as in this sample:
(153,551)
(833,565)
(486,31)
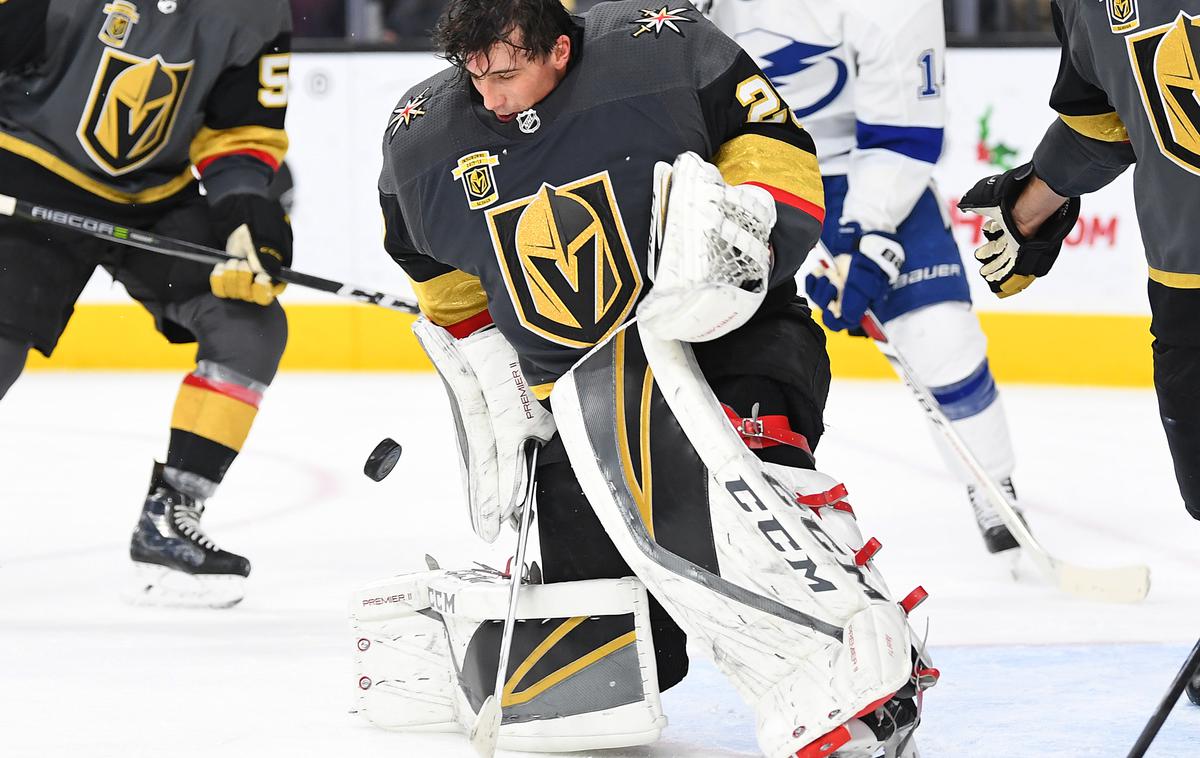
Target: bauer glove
(865,277)
(1010,260)
(258,234)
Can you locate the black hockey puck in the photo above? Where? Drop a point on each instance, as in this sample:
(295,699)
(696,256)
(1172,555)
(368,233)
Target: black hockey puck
(382,459)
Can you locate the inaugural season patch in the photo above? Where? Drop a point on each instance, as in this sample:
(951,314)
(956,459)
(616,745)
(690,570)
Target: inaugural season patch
(120,16)
(663,18)
(1122,15)
(474,170)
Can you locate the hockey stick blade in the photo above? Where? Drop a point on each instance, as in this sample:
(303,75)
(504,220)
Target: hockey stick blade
(1123,584)
(486,730)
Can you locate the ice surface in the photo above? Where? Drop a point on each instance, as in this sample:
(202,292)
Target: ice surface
(1026,670)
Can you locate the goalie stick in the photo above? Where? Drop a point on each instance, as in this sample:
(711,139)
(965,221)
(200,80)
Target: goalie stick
(106,230)
(1190,667)
(1124,584)
(486,730)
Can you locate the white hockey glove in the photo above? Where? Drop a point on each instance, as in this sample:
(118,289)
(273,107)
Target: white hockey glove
(495,413)
(709,255)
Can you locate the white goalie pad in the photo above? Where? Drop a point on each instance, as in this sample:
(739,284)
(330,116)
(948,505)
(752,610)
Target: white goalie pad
(709,255)
(777,586)
(581,675)
(494,414)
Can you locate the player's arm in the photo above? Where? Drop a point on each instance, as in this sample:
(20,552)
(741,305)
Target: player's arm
(22,32)
(1032,208)
(757,142)
(236,153)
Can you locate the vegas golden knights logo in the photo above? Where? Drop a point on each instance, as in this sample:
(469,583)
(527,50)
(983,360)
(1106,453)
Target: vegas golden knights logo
(1122,15)
(567,261)
(1164,61)
(131,109)
(120,16)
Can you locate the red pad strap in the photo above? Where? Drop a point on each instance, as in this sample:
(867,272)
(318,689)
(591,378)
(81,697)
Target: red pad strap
(766,431)
(821,499)
(926,678)
(867,552)
(261,155)
(913,599)
(826,745)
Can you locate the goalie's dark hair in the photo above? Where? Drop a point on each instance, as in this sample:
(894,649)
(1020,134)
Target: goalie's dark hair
(470,27)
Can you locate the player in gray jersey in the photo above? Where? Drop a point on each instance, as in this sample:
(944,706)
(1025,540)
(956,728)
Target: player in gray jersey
(109,109)
(564,175)
(1126,95)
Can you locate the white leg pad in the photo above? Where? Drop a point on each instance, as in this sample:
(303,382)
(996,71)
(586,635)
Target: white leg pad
(427,650)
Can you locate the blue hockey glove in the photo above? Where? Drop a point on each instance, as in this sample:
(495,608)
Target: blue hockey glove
(845,296)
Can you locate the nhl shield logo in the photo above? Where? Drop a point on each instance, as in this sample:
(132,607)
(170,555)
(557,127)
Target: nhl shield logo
(120,16)
(131,110)
(479,181)
(1122,15)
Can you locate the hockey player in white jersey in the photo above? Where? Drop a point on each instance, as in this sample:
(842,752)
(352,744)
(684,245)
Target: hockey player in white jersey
(866,79)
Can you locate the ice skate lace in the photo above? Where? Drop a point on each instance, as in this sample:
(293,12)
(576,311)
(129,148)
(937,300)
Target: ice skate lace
(187,521)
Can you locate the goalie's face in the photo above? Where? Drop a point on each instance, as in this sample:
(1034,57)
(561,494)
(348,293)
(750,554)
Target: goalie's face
(510,81)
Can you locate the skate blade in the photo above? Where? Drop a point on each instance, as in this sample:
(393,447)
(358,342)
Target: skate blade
(160,586)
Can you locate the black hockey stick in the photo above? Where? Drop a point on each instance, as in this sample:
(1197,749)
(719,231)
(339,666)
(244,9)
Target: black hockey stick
(106,230)
(1190,667)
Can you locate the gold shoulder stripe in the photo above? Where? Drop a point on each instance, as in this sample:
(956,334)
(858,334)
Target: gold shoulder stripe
(450,298)
(56,165)
(1106,127)
(762,160)
(1174,280)
(209,143)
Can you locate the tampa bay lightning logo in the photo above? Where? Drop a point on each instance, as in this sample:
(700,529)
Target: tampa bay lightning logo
(782,58)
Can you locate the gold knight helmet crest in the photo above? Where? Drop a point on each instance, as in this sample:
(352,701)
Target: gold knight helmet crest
(119,18)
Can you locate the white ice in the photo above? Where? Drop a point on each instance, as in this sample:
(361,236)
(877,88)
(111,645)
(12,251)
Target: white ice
(1026,671)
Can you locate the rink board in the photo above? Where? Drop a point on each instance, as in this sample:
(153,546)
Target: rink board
(1084,324)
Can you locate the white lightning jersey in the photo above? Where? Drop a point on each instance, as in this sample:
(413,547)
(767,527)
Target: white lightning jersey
(865,77)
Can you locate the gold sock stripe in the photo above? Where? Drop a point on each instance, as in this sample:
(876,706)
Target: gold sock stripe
(213,416)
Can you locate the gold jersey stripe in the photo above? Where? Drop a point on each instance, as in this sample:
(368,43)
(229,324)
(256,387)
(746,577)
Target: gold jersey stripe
(763,160)
(1106,127)
(209,143)
(53,163)
(450,298)
(1177,281)
(213,416)
(542,391)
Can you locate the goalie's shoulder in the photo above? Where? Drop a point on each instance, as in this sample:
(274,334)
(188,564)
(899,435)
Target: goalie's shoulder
(423,123)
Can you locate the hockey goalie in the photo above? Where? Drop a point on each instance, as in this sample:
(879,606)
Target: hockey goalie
(653,406)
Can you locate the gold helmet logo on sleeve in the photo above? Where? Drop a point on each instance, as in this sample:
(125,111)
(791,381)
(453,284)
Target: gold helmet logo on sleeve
(131,109)
(567,261)
(120,16)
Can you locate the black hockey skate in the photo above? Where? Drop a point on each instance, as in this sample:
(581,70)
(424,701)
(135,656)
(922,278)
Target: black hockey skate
(996,536)
(177,563)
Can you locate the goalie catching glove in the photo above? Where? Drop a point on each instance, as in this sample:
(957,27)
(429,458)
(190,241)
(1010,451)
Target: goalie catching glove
(1011,261)
(495,412)
(257,233)
(709,255)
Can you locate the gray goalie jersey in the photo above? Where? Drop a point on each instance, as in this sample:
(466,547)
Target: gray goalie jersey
(1127,94)
(540,225)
